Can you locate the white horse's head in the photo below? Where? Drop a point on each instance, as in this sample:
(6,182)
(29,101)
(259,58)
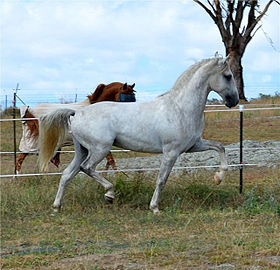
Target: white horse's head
(222,82)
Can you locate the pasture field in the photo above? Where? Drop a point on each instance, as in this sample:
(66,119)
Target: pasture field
(201,225)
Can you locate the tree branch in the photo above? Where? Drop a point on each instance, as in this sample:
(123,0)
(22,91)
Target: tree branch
(225,35)
(210,4)
(229,21)
(265,10)
(239,14)
(207,10)
(254,22)
(256,31)
(251,15)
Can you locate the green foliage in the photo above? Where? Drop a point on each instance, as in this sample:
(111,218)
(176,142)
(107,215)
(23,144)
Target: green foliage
(266,96)
(10,112)
(205,196)
(259,200)
(136,192)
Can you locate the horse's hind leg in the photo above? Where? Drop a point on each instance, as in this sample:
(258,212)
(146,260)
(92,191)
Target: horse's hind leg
(88,167)
(110,162)
(69,173)
(108,186)
(56,159)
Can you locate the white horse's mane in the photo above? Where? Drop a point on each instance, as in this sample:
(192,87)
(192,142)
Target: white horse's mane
(188,73)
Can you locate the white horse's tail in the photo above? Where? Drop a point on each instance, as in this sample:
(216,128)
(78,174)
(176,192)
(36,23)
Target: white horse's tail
(53,129)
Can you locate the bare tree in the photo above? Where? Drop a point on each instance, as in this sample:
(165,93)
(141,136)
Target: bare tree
(236,31)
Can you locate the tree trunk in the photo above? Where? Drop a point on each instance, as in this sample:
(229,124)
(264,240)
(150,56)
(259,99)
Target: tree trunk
(237,71)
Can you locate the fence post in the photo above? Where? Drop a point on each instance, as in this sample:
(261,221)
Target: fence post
(14,126)
(241,110)
(6,103)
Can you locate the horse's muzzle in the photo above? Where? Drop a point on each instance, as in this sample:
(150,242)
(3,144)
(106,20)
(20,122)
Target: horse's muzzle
(231,100)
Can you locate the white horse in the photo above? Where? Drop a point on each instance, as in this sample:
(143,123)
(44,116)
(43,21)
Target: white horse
(171,124)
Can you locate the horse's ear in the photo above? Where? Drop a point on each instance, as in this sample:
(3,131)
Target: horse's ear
(23,110)
(227,58)
(224,61)
(125,86)
(132,86)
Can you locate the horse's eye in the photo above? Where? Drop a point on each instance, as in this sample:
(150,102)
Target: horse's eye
(228,77)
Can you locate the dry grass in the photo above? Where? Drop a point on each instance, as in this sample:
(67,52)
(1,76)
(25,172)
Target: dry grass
(258,125)
(200,225)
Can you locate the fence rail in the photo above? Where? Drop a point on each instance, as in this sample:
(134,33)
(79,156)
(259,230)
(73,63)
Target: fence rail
(206,111)
(126,151)
(132,170)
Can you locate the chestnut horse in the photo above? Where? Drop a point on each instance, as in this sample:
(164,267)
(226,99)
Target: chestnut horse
(29,140)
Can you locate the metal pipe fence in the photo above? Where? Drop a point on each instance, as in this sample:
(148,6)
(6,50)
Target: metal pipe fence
(126,151)
(206,111)
(132,170)
(241,110)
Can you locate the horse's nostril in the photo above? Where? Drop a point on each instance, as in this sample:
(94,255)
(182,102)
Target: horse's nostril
(231,101)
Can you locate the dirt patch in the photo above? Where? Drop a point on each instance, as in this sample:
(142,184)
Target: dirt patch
(259,153)
(122,261)
(116,261)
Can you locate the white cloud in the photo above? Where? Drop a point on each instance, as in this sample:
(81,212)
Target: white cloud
(266,78)
(263,61)
(51,45)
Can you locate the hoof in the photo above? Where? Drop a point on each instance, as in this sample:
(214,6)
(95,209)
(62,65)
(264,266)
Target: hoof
(109,199)
(56,209)
(15,175)
(109,196)
(155,210)
(218,178)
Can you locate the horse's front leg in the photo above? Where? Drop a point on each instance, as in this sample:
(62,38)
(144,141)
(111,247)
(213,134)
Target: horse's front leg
(165,169)
(204,145)
(20,159)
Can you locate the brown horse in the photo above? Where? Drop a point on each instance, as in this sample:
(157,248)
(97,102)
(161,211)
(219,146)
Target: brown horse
(111,92)
(29,140)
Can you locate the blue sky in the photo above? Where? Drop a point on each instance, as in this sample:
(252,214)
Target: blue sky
(61,48)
